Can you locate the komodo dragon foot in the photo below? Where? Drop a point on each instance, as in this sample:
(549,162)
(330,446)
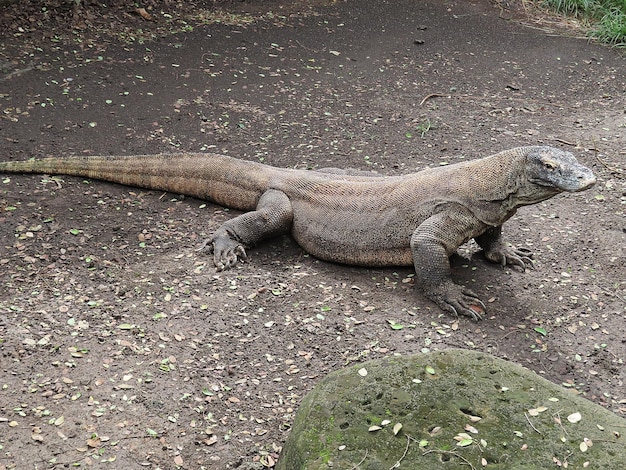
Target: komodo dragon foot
(498,251)
(225,249)
(456,299)
(510,255)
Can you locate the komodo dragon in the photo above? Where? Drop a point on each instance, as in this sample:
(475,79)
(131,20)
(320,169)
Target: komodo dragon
(352,218)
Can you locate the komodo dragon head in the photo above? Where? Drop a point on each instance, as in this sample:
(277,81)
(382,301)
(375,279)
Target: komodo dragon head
(557,169)
(552,171)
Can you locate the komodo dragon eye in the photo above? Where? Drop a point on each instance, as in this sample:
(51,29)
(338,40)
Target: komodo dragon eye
(549,165)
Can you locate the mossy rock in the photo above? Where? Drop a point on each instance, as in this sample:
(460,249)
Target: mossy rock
(458,409)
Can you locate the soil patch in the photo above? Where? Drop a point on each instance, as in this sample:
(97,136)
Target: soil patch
(121,346)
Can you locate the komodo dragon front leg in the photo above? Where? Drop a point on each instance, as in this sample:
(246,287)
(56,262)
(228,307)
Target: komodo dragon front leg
(273,216)
(497,251)
(432,244)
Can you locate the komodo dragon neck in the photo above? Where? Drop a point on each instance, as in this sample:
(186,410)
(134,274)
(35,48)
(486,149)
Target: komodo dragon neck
(492,188)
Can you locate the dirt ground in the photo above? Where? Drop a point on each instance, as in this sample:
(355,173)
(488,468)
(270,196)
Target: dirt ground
(122,347)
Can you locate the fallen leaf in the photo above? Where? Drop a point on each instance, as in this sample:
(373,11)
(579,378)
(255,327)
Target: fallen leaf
(470,428)
(144,14)
(477,309)
(93,442)
(574,417)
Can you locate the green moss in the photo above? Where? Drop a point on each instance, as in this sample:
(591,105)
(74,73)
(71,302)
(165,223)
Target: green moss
(437,408)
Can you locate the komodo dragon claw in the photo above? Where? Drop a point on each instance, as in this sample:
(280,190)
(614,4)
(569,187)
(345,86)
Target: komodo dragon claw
(457,300)
(226,251)
(504,255)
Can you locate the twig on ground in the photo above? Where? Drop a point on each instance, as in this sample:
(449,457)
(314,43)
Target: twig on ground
(618,172)
(531,424)
(406,449)
(362,460)
(432,95)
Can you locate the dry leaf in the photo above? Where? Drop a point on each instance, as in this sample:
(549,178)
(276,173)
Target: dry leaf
(435,430)
(93,442)
(144,14)
(574,417)
(470,428)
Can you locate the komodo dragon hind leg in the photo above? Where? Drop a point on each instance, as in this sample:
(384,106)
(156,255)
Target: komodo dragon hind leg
(432,243)
(273,216)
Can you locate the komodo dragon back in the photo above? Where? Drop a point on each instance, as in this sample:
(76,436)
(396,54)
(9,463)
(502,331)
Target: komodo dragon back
(419,218)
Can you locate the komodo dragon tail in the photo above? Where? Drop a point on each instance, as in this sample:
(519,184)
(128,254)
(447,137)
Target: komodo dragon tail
(223,180)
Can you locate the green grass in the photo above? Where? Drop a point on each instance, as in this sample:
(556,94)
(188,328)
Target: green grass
(608,17)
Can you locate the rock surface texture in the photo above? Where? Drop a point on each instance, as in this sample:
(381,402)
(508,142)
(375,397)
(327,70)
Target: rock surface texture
(448,410)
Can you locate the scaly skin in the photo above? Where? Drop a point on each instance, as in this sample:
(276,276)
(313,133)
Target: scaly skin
(355,218)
